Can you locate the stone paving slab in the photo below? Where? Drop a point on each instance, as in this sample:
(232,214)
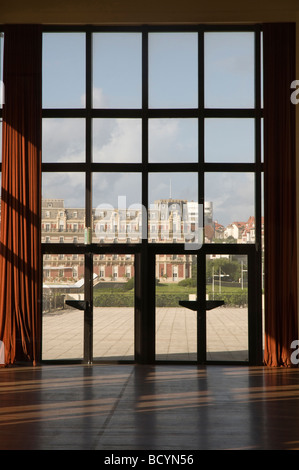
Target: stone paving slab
(227,334)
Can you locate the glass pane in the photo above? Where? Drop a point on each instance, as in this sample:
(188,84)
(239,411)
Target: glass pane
(117,140)
(174,214)
(63,70)
(117,70)
(63,212)
(176,326)
(229,208)
(229,70)
(227,326)
(173,63)
(117,208)
(63,280)
(173,140)
(113,307)
(229,140)
(63,140)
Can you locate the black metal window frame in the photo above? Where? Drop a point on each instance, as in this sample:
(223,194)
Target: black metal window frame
(145,252)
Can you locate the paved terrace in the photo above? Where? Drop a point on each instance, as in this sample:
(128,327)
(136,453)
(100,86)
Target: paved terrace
(227,334)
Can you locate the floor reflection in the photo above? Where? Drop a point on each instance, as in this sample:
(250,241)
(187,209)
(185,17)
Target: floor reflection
(149,407)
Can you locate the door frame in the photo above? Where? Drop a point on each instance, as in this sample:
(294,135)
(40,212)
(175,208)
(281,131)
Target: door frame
(144,321)
(145,301)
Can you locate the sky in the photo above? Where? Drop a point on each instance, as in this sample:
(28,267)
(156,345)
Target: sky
(172,83)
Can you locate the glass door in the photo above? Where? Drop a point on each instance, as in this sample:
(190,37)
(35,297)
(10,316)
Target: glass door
(227,325)
(207,307)
(176,326)
(113,307)
(63,325)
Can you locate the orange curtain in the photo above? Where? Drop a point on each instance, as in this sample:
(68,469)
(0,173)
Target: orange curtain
(20,242)
(281,323)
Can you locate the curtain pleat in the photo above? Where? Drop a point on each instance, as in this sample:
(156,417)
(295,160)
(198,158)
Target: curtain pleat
(20,241)
(281,312)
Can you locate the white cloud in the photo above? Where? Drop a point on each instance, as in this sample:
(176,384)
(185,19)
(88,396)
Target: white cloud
(232,195)
(99,99)
(63,140)
(173,140)
(117,140)
(67,186)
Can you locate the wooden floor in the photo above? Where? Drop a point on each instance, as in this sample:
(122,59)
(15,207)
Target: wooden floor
(132,407)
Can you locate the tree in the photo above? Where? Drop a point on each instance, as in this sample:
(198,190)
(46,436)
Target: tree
(230,268)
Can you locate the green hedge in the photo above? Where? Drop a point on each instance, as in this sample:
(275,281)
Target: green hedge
(165,300)
(170,300)
(121,300)
(231,300)
(114,300)
(189,282)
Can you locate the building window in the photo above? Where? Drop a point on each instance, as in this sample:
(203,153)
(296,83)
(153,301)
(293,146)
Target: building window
(143,144)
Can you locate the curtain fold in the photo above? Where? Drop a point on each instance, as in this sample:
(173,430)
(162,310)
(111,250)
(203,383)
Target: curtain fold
(281,312)
(20,240)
